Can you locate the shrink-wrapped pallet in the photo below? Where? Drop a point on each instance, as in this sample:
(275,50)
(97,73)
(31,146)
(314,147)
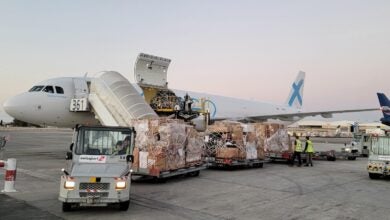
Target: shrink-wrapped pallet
(175,136)
(278,142)
(249,139)
(194,147)
(165,145)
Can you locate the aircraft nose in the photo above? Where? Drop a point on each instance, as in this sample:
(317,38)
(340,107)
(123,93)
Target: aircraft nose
(12,106)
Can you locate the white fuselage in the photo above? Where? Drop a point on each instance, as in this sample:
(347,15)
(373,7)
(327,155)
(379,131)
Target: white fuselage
(53,109)
(235,108)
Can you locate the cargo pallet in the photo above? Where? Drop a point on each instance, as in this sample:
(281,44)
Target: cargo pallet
(345,155)
(234,163)
(193,170)
(331,155)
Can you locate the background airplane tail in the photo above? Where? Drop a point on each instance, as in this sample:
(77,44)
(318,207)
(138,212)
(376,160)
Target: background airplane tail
(385,105)
(295,98)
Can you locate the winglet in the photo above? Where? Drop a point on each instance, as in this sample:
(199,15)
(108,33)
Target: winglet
(295,99)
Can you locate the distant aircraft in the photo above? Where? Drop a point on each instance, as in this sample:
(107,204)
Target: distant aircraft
(385,108)
(47,103)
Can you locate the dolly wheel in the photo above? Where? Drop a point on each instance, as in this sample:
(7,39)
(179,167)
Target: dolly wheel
(374,176)
(66,206)
(124,206)
(330,158)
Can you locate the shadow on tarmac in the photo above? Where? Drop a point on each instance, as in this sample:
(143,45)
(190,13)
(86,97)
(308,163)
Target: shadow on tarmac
(14,209)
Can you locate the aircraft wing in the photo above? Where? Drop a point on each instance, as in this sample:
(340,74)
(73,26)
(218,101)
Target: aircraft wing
(294,116)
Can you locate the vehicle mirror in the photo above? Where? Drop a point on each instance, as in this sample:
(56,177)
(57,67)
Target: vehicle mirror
(130,158)
(69,155)
(71,147)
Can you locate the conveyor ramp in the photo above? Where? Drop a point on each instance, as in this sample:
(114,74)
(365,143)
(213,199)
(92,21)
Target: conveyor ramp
(115,101)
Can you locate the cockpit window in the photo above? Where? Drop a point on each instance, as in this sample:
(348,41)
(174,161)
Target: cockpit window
(36,89)
(59,90)
(48,89)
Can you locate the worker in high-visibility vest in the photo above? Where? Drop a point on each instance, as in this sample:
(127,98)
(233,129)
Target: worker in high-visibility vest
(309,149)
(297,151)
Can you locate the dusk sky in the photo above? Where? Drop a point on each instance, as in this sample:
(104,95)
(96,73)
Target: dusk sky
(245,49)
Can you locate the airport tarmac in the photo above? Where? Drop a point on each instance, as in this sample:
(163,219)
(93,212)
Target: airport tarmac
(329,190)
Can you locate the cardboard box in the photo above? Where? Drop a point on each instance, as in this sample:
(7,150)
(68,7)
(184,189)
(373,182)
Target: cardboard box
(157,162)
(227,152)
(251,137)
(135,164)
(260,153)
(193,157)
(176,161)
(143,159)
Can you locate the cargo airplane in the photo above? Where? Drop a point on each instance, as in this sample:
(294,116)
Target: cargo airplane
(47,103)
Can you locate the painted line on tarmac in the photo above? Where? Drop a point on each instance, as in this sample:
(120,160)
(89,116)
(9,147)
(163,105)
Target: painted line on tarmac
(38,175)
(185,213)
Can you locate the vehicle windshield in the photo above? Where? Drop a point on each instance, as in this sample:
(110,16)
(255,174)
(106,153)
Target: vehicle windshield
(380,146)
(103,142)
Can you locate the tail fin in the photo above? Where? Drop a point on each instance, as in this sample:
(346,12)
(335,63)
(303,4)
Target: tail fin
(385,105)
(295,99)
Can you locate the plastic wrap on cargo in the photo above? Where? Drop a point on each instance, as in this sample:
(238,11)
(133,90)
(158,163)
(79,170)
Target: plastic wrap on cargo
(278,142)
(166,144)
(142,139)
(143,159)
(251,150)
(248,139)
(174,134)
(194,149)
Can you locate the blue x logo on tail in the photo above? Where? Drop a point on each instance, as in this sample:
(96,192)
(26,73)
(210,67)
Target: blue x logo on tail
(296,94)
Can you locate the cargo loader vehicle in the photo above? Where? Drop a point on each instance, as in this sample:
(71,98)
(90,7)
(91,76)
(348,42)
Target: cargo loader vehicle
(379,157)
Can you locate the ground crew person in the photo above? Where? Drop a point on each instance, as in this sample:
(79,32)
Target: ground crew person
(309,151)
(177,110)
(297,151)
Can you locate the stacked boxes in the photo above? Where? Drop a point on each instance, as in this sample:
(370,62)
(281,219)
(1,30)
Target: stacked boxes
(227,152)
(279,142)
(164,145)
(193,151)
(245,141)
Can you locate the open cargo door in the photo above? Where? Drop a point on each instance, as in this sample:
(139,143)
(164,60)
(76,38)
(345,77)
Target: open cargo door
(151,71)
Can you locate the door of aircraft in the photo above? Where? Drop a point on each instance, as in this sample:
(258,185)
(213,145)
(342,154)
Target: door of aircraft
(151,70)
(81,88)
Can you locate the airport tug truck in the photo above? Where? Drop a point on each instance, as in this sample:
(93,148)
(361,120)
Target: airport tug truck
(98,168)
(379,157)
